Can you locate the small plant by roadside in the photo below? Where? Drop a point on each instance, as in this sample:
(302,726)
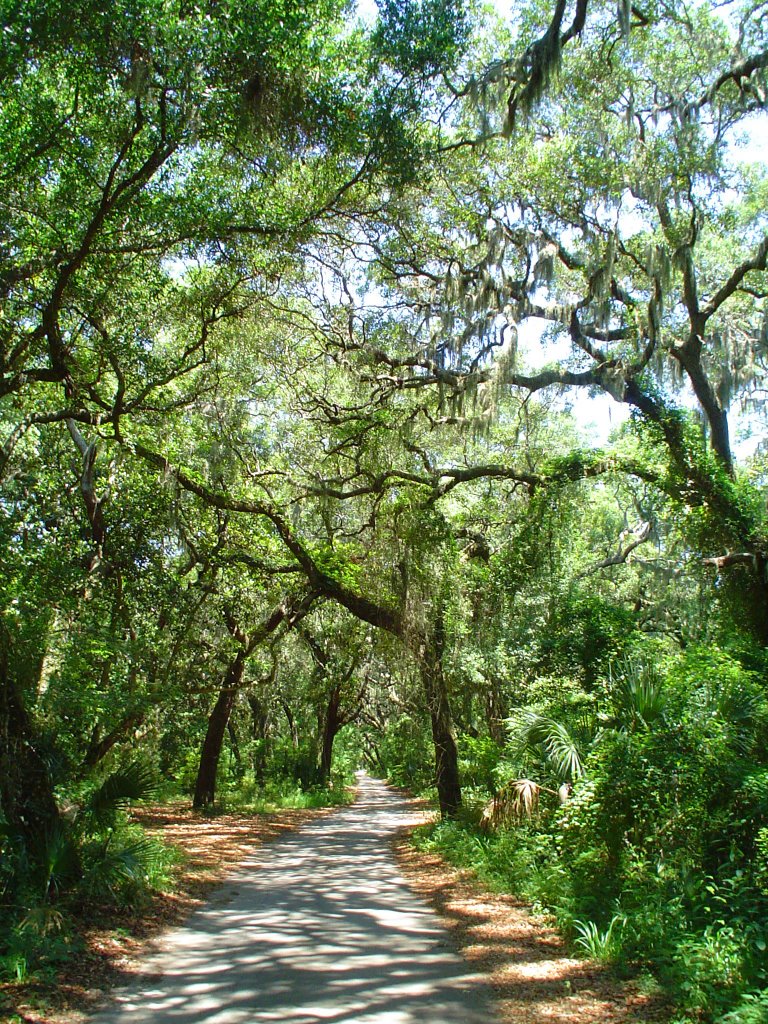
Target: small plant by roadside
(94,856)
(603,946)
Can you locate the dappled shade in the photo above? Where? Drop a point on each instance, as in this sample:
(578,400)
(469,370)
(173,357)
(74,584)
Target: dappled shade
(319,927)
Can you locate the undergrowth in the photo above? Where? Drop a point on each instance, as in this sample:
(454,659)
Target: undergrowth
(267,799)
(644,832)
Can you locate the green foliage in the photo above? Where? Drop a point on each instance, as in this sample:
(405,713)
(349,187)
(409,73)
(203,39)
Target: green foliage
(296,764)
(479,761)
(136,781)
(97,856)
(253,799)
(658,855)
(605,946)
(123,866)
(752,1009)
(404,754)
(338,566)
(531,730)
(588,632)
(638,694)
(424,36)
(262,274)
(510,860)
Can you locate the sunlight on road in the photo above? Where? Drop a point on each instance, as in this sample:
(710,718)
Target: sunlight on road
(316,927)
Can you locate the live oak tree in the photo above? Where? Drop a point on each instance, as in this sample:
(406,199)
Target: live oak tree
(291,308)
(606,218)
(340,654)
(162,165)
(288,611)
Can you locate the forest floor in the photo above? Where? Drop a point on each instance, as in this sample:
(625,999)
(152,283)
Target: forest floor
(533,977)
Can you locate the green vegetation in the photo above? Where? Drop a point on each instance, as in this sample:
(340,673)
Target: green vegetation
(297,316)
(656,854)
(92,854)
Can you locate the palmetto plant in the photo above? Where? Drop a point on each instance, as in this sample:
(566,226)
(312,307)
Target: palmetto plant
(114,858)
(638,694)
(100,808)
(559,747)
(516,801)
(562,748)
(637,703)
(735,706)
(119,869)
(87,851)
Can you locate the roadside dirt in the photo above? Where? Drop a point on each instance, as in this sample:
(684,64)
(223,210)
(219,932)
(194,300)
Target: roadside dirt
(535,979)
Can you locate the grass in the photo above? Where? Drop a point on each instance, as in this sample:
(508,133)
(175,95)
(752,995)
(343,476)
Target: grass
(249,798)
(605,946)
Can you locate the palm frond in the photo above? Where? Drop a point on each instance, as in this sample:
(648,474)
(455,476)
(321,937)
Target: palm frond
(114,867)
(553,739)
(42,920)
(135,781)
(515,802)
(524,798)
(738,707)
(638,694)
(54,858)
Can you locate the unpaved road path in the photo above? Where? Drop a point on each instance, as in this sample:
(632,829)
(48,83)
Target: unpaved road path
(317,927)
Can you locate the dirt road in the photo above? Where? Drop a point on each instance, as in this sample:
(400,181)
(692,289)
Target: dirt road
(318,926)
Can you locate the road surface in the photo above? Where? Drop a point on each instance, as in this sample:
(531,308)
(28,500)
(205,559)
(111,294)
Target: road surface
(318,926)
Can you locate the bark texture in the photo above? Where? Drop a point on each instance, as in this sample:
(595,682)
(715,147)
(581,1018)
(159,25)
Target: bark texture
(205,786)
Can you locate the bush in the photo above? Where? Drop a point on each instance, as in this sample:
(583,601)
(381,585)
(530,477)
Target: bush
(752,1009)
(95,855)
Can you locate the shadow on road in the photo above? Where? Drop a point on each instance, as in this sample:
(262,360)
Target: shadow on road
(316,927)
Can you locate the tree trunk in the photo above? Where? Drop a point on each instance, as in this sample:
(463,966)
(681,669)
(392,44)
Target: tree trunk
(331,725)
(372,756)
(205,787)
(99,746)
(234,744)
(735,527)
(495,713)
(260,726)
(26,790)
(446,754)
(291,609)
(291,723)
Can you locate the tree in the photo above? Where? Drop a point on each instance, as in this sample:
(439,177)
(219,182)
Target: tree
(283,295)
(602,219)
(290,610)
(162,166)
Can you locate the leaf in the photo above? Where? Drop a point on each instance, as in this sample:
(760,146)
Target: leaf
(134,782)
(560,748)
